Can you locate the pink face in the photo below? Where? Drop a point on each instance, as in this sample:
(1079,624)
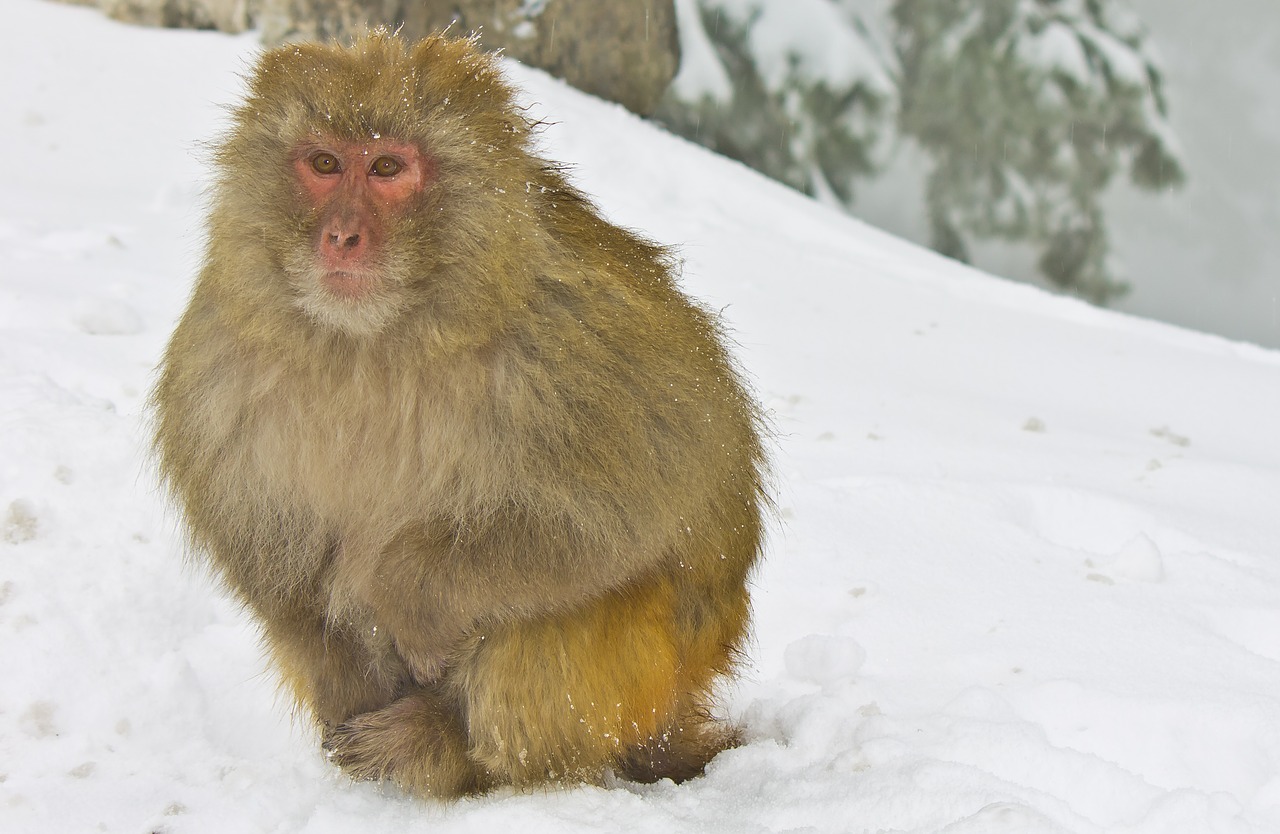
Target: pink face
(358,189)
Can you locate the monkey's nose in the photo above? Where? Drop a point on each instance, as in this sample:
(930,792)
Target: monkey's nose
(344,241)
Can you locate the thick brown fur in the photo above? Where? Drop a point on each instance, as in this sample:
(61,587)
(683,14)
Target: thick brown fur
(499,532)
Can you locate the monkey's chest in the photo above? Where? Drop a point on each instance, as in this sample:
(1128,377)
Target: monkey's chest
(357,458)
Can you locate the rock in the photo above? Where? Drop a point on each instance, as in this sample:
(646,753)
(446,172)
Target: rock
(621,50)
(224,15)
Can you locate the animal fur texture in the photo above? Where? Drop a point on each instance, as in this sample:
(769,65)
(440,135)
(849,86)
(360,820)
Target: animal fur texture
(496,515)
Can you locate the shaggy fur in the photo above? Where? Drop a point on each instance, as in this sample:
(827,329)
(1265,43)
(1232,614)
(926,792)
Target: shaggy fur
(497,520)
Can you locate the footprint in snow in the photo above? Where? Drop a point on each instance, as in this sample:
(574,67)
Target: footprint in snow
(108,317)
(824,658)
(19,524)
(1138,560)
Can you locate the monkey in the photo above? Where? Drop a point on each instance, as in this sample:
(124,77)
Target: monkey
(492,486)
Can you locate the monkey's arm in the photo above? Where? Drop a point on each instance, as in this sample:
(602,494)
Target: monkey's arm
(327,665)
(333,666)
(435,583)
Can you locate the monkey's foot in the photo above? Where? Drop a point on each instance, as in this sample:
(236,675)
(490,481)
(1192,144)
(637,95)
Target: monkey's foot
(679,754)
(416,742)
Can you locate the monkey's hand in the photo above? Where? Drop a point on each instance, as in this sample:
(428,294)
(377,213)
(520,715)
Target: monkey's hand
(426,657)
(438,582)
(410,598)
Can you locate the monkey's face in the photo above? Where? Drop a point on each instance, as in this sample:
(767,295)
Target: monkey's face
(377,184)
(355,197)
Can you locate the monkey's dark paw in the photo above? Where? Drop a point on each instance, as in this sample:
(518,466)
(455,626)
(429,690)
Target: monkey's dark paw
(417,742)
(359,747)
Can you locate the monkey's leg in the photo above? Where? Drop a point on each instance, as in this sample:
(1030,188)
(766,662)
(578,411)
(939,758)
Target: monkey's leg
(336,670)
(378,724)
(606,685)
(418,742)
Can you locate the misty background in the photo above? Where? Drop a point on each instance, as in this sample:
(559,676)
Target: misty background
(1209,256)
(1201,248)
(1005,133)
(1204,256)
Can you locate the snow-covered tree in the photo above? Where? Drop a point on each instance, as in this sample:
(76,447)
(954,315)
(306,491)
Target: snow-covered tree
(795,89)
(1028,108)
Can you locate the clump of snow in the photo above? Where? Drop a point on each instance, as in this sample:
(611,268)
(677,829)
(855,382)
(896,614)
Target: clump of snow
(1003,595)
(823,658)
(109,317)
(1073,46)
(1055,48)
(1139,560)
(1123,63)
(701,74)
(808,39)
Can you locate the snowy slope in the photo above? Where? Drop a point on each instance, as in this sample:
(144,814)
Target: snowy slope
(1026,576)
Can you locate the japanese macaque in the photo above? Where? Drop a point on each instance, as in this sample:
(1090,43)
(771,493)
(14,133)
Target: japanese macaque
(488,480)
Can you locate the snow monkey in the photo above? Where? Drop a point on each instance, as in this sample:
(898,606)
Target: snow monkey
(488,480)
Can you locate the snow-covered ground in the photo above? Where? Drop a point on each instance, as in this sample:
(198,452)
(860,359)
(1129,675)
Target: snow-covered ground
(1026,576)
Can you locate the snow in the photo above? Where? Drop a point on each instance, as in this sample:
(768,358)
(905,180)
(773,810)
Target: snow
(809,39)
(1126,66)
(1025,576)
(1060,45)
(701,73)
(1056,48)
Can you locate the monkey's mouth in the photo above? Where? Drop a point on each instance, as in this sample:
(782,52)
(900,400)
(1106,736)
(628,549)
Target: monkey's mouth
(351,286)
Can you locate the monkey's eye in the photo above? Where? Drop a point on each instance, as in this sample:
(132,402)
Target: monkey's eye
(385,166)
(325,163)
